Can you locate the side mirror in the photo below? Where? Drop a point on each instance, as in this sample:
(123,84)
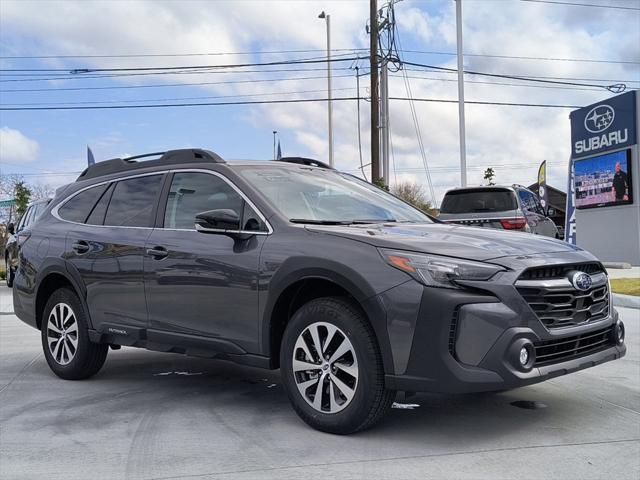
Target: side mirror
(11,228)
(218,221)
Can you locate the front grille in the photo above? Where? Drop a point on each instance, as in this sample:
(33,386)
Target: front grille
(557,308)
(559,271)
(567,348)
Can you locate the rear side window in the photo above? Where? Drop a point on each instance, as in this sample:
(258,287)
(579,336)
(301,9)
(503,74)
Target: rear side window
(530,201)
(133,202)
(478,201)
(78,208)
(193,193)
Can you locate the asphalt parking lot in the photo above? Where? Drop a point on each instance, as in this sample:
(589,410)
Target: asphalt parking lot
(163,416)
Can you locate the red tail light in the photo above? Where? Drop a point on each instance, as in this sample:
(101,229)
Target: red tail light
(516,223)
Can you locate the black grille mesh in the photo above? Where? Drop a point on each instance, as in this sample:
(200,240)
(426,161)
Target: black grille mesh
(567,348)
(559,271)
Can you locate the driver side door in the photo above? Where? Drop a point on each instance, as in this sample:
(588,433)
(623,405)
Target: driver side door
(203,284)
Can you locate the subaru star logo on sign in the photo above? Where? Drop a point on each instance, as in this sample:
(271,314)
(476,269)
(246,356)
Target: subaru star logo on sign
(599,118)
(581,281)
(605,126)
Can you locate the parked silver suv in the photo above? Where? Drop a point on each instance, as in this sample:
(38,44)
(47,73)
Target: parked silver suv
(505,207)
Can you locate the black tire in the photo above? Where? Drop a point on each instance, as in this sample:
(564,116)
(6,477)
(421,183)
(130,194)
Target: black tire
(371,399)
(81,362)
(9,273)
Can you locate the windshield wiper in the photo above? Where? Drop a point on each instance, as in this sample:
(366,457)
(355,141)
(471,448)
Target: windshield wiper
(379,220)
(320,222)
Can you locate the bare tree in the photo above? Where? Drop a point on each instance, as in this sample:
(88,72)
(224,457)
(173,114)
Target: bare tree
(40,191)
(414,194)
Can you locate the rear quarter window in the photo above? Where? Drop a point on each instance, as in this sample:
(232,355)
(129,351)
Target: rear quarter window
(77,209)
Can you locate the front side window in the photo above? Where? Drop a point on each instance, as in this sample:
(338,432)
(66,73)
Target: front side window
(192,193)
(132,202)
(78,208)
(316,194)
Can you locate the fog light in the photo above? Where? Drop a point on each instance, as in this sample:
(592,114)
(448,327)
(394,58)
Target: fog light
(619,332)
(524,356)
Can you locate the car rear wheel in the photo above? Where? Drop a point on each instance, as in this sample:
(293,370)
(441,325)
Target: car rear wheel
(10,274)
(332,367)
(65,339)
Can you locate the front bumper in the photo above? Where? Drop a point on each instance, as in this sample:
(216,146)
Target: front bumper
(468,340)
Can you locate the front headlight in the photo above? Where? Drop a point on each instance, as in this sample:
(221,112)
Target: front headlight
(436,271)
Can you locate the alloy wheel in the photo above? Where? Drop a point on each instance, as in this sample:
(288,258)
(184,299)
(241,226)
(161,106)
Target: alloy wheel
(62,333)
(325,367)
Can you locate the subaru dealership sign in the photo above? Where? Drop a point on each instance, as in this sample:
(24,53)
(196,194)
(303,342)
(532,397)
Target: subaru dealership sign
(607,125)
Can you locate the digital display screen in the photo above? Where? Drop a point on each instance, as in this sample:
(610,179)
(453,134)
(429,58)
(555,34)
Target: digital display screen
(604,180)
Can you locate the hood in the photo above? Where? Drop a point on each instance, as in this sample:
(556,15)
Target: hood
(448,240)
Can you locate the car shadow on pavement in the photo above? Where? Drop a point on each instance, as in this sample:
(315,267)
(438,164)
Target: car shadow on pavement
(222,387)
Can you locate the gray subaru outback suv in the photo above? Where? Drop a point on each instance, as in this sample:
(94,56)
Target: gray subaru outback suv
(512,207)
(352,293)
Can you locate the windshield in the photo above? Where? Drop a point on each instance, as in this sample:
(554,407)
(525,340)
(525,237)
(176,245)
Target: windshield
(472,201)
(326,196)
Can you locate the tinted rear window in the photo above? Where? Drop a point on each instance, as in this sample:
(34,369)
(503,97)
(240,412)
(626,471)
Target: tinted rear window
(478,201)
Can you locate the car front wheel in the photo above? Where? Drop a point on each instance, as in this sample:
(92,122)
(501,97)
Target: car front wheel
(332,367)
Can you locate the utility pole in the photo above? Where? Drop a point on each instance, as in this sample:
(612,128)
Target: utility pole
(384,121)
(375,106)
(329,89)
(461,128)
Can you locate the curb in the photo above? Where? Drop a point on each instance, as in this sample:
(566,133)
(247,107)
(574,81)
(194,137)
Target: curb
(628,301)
(617,265)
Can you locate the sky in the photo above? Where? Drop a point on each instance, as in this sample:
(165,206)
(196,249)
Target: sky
(49,147)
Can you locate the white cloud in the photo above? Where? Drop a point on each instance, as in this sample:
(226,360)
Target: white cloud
(497,136)
(16,147)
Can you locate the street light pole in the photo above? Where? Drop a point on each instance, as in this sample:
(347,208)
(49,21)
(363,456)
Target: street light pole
(463,147)
(329,92)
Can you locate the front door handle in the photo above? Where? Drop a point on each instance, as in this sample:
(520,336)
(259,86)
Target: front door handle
(157,252)
(80,247)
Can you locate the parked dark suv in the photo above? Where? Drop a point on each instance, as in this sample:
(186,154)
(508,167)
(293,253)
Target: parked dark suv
(31,214)
(351,292)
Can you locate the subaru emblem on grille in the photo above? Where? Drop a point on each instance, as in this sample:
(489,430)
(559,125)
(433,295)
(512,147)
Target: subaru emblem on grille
(581,281)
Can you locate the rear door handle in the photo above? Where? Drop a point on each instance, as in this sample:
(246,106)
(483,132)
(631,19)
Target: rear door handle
(157,252)
(80,247)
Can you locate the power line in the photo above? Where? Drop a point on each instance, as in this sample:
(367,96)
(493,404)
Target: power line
(353,50)
(613,88)
(416,123)
(162,85)
(267,102)
(575,4)
(504,104)
(454,72)
(175,99)
(144,74)
(523,57)
(588,89)
(160,55)
(80,71)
